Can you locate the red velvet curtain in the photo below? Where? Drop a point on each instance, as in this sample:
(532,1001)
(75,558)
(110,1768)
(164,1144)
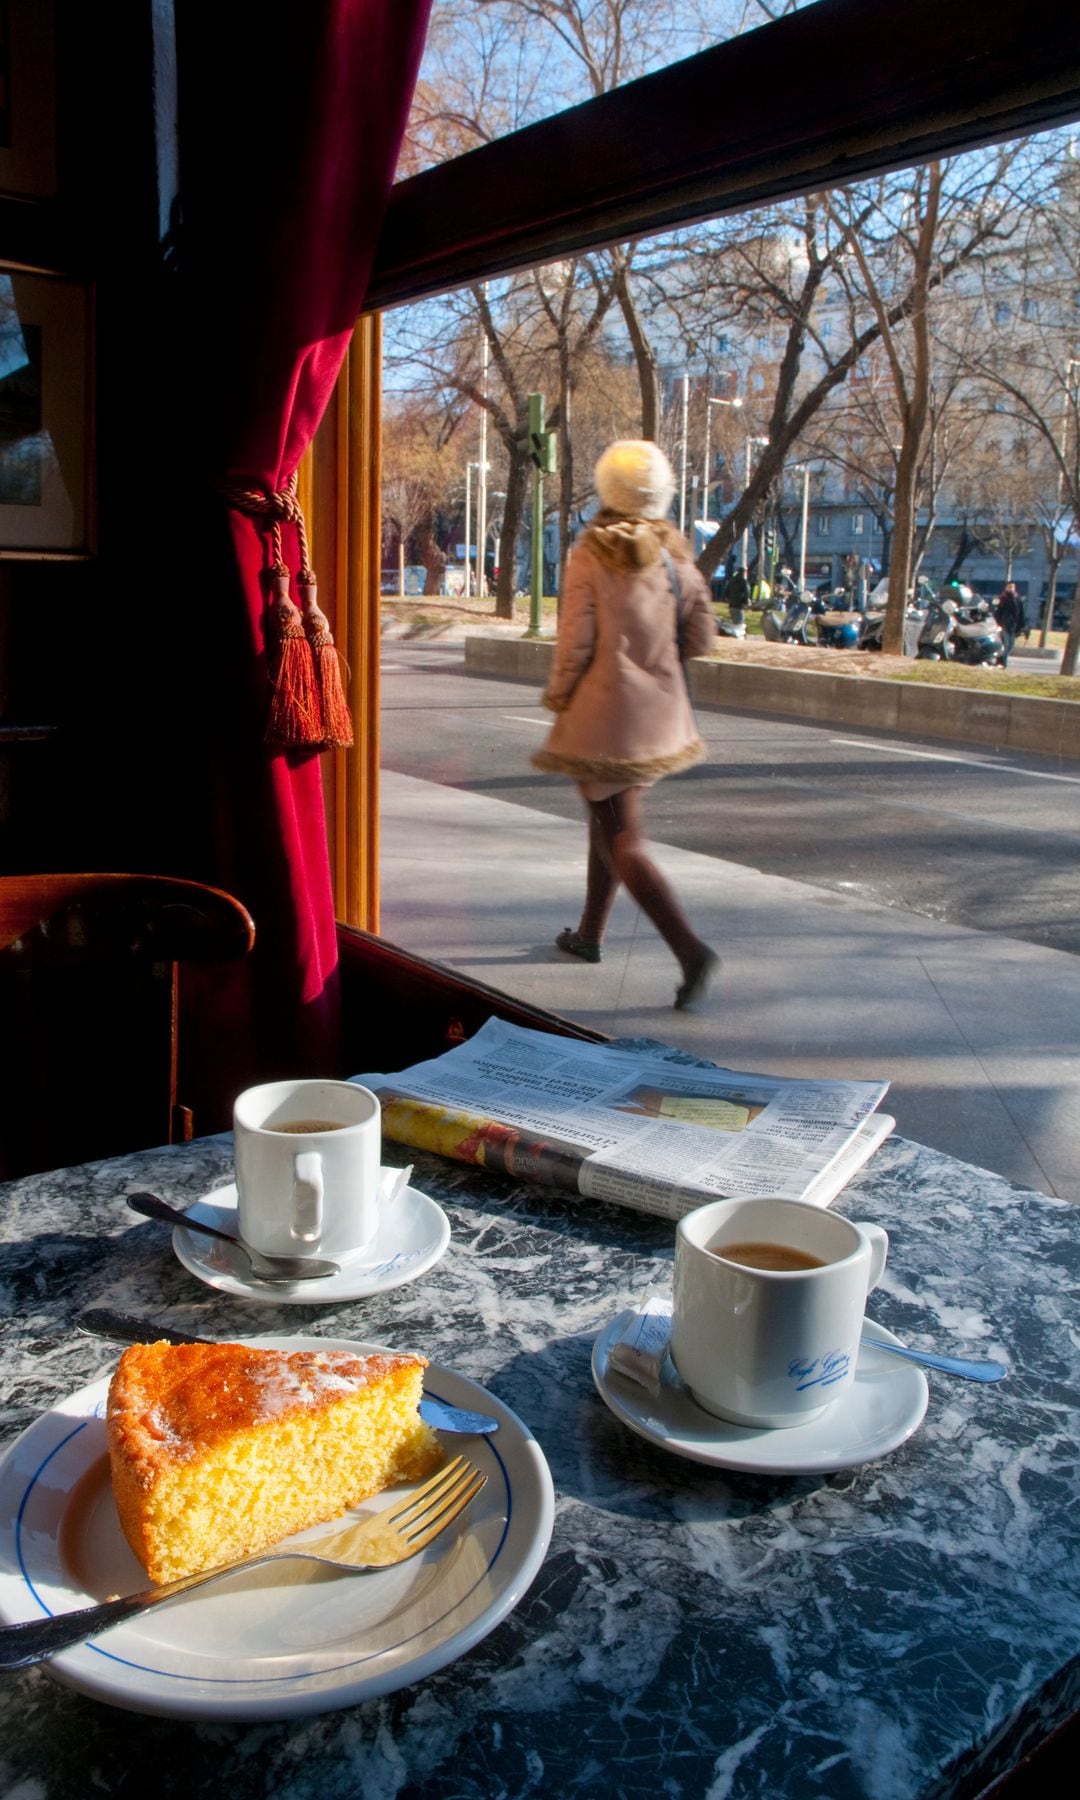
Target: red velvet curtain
(291,117)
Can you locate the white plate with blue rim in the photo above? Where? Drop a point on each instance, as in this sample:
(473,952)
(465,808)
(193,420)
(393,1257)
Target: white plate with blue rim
(413,1234)
(285,1640)
(881,1409)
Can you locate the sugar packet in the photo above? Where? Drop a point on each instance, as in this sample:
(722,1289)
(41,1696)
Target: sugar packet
(639,1350)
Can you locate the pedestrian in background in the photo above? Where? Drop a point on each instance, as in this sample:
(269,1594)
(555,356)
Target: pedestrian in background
(634,606)
(1011,616)
(737,595)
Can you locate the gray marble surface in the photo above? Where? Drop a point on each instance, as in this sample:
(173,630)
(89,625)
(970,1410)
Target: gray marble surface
(902,1629)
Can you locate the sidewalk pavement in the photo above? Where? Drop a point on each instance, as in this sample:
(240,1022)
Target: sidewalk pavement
(978,1034)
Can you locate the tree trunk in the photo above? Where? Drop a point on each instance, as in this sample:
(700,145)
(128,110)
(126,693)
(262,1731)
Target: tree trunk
(566,467)
(963,551)
(516,481)
(892,641)
(434,559)
(644,356)
(1072,642)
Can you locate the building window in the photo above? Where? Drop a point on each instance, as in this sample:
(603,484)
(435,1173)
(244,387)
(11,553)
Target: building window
(857,526)
(824,522)
(1001,312)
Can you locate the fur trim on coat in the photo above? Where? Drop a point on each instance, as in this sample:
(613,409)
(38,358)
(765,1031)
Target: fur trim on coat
(617,682)
(624,543)
(641,773)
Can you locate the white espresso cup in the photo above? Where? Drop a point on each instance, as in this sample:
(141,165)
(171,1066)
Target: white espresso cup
(772,1346)
(307,1167)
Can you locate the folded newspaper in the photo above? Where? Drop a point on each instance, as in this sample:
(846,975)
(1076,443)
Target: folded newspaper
(615,1124)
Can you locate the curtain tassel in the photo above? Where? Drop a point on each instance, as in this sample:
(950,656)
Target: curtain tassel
(308,708)
(295,711)
(337,730)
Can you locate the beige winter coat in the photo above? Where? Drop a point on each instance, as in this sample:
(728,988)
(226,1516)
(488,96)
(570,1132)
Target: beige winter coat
(617,682)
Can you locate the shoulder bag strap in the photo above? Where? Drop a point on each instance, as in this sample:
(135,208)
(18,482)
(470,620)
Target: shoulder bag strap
(673,580)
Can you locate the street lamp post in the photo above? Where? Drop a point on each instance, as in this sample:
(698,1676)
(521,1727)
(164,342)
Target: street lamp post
(1062,448)
(706,476)
(469,467)
(804,519)
(682,451)
(750,442)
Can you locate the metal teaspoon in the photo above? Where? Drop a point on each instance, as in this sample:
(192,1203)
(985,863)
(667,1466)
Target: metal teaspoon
(263,1268)
(949,1365)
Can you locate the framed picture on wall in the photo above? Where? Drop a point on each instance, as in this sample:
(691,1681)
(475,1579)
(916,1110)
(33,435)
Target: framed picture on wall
(46,427)
(27,99)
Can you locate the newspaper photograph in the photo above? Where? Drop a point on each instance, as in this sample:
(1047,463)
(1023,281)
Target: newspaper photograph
(611,1124)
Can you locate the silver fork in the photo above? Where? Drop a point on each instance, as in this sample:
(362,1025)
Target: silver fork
(392,1536)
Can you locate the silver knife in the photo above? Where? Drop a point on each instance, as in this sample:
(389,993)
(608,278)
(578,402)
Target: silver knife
(125,1328)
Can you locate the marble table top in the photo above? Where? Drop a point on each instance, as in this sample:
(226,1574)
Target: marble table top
(905,1628)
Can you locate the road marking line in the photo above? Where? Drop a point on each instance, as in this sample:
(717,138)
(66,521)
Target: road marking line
(969,762)
(518,720)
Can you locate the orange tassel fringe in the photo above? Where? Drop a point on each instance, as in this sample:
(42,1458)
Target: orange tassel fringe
(308,708)
(337,731)
(295,708)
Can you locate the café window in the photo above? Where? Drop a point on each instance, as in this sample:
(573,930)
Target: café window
(431,283)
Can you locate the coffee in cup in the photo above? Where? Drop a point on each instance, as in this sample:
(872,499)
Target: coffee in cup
(307,1167)
(769,1298)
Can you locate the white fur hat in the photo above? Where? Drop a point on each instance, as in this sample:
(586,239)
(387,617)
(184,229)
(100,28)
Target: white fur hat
(634,477)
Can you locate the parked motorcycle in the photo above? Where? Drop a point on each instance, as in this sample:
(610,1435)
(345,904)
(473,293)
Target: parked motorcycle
(961,633)
(785,621)
(732,623)
(836,626)
(919,600)
(872,631)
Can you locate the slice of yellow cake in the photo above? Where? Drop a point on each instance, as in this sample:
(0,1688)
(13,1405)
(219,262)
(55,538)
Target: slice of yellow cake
(218,1450)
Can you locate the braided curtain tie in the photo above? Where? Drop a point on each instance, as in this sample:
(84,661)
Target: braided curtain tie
(271,506)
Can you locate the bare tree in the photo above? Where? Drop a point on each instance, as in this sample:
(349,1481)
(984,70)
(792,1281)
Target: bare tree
(1029,355)
(417,484)
(911,375)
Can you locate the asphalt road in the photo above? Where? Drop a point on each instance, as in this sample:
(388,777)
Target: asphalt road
(968,836)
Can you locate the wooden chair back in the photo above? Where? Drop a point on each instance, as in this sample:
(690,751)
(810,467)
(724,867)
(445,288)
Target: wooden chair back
(89,983)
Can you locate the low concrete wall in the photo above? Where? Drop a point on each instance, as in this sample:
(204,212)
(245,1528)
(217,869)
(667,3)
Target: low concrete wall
(963,715)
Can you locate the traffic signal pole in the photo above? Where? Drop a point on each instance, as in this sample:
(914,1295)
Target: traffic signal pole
(542,453)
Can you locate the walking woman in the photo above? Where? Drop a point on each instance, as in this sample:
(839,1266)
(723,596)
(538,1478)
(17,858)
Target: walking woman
(634,606)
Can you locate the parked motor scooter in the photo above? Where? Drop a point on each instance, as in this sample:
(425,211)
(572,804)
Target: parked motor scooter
(836,626)
(935,639)
(872,631)
(785,621)
(976,636)
(961,633)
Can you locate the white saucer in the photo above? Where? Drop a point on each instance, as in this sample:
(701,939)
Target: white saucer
(413,1234)
(881,1409)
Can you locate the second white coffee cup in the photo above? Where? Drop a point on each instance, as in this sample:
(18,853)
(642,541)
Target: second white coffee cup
(771,1345)
(307,1167)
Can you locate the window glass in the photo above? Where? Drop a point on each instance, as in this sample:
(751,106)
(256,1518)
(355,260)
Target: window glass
(774,367)
(493,66)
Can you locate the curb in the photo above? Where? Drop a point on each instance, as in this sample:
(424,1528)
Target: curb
(911,708)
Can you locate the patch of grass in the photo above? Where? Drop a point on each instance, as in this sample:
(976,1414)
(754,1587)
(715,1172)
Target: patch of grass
(997,681)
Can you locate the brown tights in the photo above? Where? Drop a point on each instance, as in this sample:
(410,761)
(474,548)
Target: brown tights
(617,855)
